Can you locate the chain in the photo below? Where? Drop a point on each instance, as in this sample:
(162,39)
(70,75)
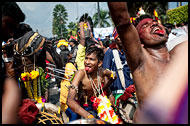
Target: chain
(98,87)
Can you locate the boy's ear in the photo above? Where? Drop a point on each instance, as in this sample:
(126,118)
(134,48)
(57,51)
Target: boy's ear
(100,63)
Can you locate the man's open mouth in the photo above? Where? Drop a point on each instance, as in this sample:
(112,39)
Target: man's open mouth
(158,31)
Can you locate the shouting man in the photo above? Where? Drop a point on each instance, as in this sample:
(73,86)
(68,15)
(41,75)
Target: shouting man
(144,44)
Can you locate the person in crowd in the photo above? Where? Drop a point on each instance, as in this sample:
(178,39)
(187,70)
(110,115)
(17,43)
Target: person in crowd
(84,82)
(73,53)
(64,51)
(86,39)
(12,15)
(185,26)
(109,62)
(105,45)
(145,49)
(176,36)
(69,70)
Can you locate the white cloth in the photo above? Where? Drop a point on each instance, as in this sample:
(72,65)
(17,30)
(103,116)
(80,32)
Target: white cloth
(179,31)
(175,41)
(58,50)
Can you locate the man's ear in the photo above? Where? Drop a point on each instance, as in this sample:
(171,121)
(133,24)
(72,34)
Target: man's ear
(100,63)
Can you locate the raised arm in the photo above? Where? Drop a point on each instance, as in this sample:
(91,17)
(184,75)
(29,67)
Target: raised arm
(82,38)
(127,33)
(75,107)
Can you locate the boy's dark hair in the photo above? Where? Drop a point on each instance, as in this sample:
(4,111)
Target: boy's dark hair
(99,52)
(12,10)
(137,20)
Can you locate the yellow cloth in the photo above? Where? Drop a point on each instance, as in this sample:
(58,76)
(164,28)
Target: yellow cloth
(80,57)
(62,42)
(69,69)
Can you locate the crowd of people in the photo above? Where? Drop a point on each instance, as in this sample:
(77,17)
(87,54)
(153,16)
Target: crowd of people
(145,60)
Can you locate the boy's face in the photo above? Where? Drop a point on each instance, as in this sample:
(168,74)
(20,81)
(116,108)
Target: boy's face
(91,62)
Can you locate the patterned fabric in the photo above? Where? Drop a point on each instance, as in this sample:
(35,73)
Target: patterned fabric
(115,34)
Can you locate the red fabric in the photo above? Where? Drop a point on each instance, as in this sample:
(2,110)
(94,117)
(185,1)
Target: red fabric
(112,45)
(28,111)
(127,94)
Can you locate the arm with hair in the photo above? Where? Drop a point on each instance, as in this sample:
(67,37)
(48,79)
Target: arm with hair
(127,33)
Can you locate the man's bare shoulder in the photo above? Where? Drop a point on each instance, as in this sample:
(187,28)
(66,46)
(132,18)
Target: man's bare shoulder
(179,48)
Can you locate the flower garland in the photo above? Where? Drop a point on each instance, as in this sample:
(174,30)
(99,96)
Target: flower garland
(34,76)
(37,77)
(105,111)
(25,78)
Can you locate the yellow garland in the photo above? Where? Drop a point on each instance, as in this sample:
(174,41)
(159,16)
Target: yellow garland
(25,78)
(34,75)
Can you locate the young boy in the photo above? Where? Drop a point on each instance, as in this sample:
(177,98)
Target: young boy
(86,83)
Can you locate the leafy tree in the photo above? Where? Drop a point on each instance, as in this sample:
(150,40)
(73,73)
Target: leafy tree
(104,16)
(72,28)
(59,21)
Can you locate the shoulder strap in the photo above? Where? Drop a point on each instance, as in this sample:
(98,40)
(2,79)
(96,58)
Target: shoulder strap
(119,67)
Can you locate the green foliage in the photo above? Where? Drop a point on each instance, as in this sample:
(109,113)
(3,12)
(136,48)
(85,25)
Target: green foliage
(178,15)
(104,16)
(60,16)
(72,29)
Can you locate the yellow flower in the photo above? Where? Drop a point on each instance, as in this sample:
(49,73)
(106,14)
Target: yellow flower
(39,100)
(108,105)
(34,74)
(106,119)
(25,76)
(114,118)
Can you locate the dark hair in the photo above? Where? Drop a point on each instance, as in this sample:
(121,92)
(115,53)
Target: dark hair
(168,26)
(21,30)
(64,55)
(89,42)
(74,41)
(12,10)
(99,52)
(106,43)
(137,20)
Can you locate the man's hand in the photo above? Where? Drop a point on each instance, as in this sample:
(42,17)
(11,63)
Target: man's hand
(112,100)
(81,24)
